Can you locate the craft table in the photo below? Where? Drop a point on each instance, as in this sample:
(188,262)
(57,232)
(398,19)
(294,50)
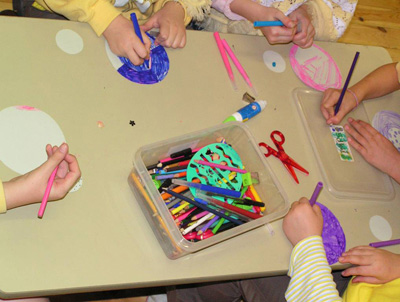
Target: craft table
(97,237)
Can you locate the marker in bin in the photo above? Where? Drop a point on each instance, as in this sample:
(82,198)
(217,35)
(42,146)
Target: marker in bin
(247,112)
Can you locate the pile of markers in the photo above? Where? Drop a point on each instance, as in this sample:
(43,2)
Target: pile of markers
(205,197)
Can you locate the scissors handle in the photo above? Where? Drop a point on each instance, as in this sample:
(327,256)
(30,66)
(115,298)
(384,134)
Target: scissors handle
(270,151)
(278,138)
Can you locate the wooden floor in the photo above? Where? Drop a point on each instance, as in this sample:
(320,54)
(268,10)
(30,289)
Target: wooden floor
(374,23)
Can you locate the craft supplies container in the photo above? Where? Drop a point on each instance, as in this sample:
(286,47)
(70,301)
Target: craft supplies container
(154,208)
(356,180)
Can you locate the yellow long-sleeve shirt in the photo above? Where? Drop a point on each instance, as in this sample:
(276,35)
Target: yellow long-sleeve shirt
(311,279)
(3,205)
(100,13)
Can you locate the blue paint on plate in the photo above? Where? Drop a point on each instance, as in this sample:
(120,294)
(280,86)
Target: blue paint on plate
(141,74)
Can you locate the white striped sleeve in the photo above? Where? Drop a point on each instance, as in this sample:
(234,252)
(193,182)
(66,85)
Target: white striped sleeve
(311,278)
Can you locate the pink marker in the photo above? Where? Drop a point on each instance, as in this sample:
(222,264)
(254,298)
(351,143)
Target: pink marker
(47,193)
(225,59)
(222,167)
(238,65)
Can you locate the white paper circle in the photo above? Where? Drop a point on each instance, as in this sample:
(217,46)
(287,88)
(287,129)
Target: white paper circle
(274,61)
(77,186)
(24,133)
(380,227)
(115,61)
(69,41)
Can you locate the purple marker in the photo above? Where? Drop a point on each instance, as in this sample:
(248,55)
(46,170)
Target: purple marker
(314,196)
(385,243)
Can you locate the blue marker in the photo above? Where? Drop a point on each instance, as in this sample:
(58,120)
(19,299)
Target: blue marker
(138,33)
(267,23)
(247,112)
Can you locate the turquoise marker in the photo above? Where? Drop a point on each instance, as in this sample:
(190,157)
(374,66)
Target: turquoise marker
(247,112)
(267,23)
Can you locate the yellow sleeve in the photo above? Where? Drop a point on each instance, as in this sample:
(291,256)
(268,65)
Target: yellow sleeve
(98,13)
(3,205)
(387,292)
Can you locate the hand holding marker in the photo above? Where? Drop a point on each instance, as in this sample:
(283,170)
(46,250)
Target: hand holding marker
(247,112)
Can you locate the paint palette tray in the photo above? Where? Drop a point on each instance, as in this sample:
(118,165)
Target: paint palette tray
(155,210)
(345,180)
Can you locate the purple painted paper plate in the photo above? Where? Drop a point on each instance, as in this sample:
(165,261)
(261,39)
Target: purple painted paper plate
(332,236)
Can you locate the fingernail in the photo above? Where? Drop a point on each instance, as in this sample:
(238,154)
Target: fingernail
(63,148)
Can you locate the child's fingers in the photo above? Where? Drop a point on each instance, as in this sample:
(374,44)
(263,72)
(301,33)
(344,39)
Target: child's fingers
(364,134)
(147,45)
(150,24)
(73,175)
(56,158)
(134,58)
(317,210)
(183,41)
(355,271)
(368,128)
(49,150)
(360,149)
(353,130)
(366,279)
(287,22)
(162,35)
(180,36)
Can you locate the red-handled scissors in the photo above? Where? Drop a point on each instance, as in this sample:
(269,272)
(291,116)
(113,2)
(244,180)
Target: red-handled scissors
(278,138)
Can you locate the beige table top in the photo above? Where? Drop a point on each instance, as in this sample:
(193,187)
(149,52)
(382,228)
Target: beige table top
(97,238)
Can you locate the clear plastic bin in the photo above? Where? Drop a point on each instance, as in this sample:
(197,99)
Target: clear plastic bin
(155,210)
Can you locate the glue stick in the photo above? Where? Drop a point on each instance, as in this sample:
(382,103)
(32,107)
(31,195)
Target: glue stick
(247,112)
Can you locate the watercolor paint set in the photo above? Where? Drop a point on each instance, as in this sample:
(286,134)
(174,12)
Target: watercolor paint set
(202,188)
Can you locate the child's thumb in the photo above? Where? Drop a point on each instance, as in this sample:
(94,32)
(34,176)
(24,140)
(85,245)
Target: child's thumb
(148,25)
(57,157)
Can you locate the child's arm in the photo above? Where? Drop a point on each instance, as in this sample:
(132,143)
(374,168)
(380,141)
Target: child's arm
(309,269)
(170,19)
(30,187)
(105,19)
(374,147)
(380,82)
(371,265)
(254,11)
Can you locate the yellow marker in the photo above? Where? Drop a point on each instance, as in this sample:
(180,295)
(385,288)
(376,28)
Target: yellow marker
(180,208)
(256,196)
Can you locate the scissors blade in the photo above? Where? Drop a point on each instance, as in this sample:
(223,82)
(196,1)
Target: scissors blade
(290,170)
(291,162)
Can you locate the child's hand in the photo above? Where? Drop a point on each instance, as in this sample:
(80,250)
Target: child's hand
(170,21)
(124,42)
(372,265)
(274,34)
(302,221)
(329,101)
(305,35)
(374,147)
(30,187)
